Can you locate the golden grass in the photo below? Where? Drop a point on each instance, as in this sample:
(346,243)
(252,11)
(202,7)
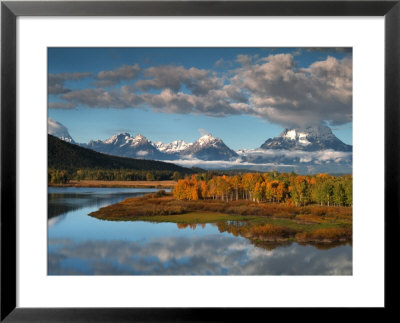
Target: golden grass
(131,184)
(325,235)
(271,231)
(259,221)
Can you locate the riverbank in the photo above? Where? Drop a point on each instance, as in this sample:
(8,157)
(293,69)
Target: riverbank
(117,184)
(256,221)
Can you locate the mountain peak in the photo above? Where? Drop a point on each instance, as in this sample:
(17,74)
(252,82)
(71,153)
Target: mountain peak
(207,136)
(173,147)
(311,138)
(140,137)
(312,131)
(207,139)
(123,144)
(119,137)
(208,147)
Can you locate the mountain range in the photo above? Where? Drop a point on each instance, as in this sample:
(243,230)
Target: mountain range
(305,150)
(206,147)
(64,155)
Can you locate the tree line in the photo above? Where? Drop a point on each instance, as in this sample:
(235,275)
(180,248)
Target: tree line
(56,176)
(271,187)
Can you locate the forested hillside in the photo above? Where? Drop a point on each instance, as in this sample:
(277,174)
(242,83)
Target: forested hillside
(62,155)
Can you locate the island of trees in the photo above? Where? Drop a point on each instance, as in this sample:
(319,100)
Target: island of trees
(273,187)
(263,207)
(269,207)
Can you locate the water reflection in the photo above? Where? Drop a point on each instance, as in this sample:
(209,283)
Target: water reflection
(238,228)
(82,245)
(211,255)
(55,219)
(192,226)
(64,200)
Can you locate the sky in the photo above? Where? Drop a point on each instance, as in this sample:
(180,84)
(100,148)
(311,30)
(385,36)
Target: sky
(242,95)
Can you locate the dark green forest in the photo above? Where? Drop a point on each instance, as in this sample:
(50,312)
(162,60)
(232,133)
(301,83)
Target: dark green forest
(68,161)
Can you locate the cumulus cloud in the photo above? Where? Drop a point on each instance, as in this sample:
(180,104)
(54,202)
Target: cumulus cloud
(113,77)
(220,62)
(101,98)
(285,94)
(57,129)
(199,81)
(56,81)
(271,87)
(170,102)
(343,50)
(61,105)
(244,59)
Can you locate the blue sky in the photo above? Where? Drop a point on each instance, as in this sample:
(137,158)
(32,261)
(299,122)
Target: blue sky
(242,95)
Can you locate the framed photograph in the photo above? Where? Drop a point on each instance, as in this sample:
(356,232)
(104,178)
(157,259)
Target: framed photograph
(162,158)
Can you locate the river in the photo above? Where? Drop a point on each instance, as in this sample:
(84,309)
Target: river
(79,244)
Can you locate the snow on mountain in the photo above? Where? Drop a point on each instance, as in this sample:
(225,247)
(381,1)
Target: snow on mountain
(173,147)
(123,144)
(57,129)
(315,148)
(207,139)
(208,147)
(312,149)
(313,138)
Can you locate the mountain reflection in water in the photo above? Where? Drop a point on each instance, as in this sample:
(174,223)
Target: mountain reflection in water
(210,255)
(82,245)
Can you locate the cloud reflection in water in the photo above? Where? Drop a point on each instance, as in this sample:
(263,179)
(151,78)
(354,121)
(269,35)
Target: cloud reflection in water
(207,255)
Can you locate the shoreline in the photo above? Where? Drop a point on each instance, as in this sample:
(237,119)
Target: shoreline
(117,184)
(264,223)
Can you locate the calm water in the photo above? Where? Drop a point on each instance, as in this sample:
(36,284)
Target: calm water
(81,245)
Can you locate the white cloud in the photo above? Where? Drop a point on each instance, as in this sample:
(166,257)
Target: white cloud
(272,158)
(56,81)
(142,153)
(215,254)
(57,129)
(61,105)
(285,94)
(199,81)
(112,77)
(304,156)
(271,87)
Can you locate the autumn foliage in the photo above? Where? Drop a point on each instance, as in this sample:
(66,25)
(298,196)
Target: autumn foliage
(271,187)
(325,234)
(271,231)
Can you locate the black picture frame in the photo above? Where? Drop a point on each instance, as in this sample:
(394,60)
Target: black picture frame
(10,10)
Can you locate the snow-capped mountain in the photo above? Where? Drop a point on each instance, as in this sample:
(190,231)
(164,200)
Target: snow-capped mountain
(56,129)
(173,147)
(304,150)
(208,147)
(123,144)
(313,138)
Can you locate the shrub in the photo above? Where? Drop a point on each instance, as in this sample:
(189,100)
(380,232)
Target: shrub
(325,235)
(271,231)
